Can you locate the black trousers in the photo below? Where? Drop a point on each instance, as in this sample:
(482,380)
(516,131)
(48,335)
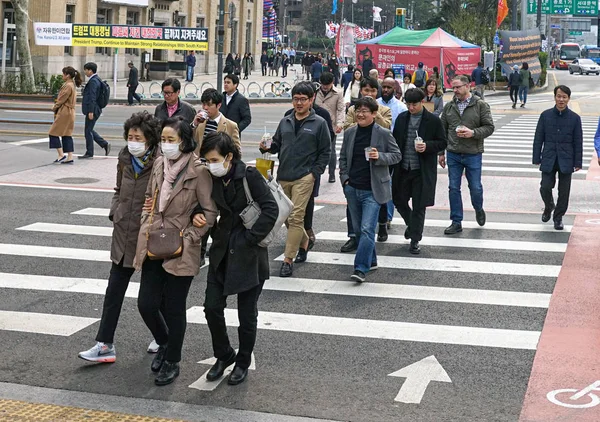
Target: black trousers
(514,90)
(66,144)
(131,94)
(310,212)
(263,67)
(204,246)
(214,306)
(564,191)
(411,187)
(92,136)
(168,327)
(118,281)
(333,156)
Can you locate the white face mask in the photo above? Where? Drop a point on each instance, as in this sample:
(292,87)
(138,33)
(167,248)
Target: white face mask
(218,169)
(137,149)
(171,151)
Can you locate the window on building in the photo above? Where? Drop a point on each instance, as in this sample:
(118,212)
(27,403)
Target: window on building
(133,18)
(248,37)
(200,22)
(103,16)
(217,36)
(69,19)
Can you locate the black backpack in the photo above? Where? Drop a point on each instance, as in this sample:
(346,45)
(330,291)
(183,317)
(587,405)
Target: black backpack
(420,78)
(104,94)
(485,76)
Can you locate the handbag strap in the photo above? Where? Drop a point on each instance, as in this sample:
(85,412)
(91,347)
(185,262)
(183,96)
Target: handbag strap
(247,189)
(152,212)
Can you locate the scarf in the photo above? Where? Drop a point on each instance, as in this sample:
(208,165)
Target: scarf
(170,171)
(139,163)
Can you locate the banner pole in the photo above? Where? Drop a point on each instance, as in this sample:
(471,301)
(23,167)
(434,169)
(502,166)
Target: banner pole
(115,73)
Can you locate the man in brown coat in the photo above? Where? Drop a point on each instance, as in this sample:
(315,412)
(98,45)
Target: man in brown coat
(210,119)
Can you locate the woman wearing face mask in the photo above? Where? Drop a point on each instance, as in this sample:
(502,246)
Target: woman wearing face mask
(178,184)
(134,167)
(238,266)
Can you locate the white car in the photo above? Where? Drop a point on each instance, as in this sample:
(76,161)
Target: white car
(582,66)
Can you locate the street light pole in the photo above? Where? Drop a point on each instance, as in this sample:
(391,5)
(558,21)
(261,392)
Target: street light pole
(220,45)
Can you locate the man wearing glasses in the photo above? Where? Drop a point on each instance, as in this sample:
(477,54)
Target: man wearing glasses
(173,106)
(303,144)
(467,121)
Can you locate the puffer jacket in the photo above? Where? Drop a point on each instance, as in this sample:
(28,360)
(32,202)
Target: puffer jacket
(477,116)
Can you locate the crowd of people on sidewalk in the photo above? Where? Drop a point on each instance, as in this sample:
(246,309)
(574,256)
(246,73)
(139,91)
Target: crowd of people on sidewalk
(183,168)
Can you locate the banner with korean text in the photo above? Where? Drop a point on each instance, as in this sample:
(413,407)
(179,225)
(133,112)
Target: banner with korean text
(459,61)
(384,56)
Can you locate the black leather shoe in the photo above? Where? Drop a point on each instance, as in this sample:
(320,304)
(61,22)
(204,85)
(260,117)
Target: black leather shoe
(168,372)
(382,236)
(84,156)
(558,225)
(350,245)
(159,359)
(407,233)
(480,217)
(107,149)
(414,247)
(301,257)
(547,214)
(286,270)
(219,367)
(237,376)
(331,179)
(453,228)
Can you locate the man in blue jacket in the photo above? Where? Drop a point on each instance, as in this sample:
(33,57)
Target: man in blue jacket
(558,148)
(92,111)
(190,61)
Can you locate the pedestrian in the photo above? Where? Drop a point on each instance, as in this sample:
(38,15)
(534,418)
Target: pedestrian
(277,63)
(292,56)
(307,62)
(467,121)
(420,77)
(514,81)
(229,64)
(558,148)
(525,80)
(334,68)
(235,106)
(215,121)
(177,184)
(270,62)
(353,91)
(284,65)
(132,84)
(383,117)
(406,84)
(172,106)
(347,77)
(264,60)
(316,70)
(434,100)
(246,65)
(331,99)
(251,63)
(389,73)
(477,79)
(299,167)
(91,110)
(190,61)
(134,167)
(438,79)
(374,74)
(245,275)
(237,65)
(415,177)
(285,51)
(366,182)
(367,65)
(64,116)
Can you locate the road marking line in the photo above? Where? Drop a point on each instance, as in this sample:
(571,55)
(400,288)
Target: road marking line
(101,212)
(523,163)
(27,111)
(384,330)
(68,229)
(29,141)
(496,149)
(444,265)
(489,225)
(57,187)
(56,325)
(454,242)
(54,252)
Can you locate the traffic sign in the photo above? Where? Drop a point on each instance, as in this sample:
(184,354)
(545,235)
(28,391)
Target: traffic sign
(555,26)
(586,7)
(564,7)
(575,32)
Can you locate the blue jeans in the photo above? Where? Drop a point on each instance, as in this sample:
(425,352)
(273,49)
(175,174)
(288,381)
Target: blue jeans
(190,74)
(457,164)
(523,90)
(364,211)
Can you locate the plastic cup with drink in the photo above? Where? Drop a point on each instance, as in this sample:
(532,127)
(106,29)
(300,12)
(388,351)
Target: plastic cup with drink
(418,140)
(367,152)
(461,128)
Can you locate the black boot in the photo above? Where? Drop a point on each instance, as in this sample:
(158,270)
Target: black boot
(382,236)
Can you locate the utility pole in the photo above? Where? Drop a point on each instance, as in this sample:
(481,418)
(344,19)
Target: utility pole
(538,20)
(514,8)
(220,43)
(285,23)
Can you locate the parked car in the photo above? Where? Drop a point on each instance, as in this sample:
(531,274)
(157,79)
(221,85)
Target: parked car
(582,66)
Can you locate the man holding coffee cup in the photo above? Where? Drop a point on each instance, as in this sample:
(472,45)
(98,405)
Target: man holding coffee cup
(420,137)
(467,121)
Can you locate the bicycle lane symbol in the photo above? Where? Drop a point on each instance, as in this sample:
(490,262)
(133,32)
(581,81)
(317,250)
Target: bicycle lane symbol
(564,401)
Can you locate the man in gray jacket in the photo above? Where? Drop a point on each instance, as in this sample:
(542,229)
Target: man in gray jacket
(367,152)
(303,143)
(467,121)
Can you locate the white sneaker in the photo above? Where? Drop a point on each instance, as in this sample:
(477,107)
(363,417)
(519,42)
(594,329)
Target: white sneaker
(100,353)
(153,347)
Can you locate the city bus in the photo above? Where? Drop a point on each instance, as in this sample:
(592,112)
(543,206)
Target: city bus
(591,52)
(564,53)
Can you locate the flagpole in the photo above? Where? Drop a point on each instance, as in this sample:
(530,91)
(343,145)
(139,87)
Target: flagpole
(373,12)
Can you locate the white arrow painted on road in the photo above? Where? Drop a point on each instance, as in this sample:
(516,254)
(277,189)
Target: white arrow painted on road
(418,376)
(205,385)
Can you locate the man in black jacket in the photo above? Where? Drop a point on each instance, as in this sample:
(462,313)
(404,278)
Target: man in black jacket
(235,106)
(92,111)
(416,175)
(132,84)
(173,106)
(264,60)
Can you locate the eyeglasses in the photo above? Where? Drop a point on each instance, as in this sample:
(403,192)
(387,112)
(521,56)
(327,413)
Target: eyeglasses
(300,100)
(458,87)
(363,111)
(168,93)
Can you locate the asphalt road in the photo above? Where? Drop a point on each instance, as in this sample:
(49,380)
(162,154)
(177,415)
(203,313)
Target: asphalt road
(326,347)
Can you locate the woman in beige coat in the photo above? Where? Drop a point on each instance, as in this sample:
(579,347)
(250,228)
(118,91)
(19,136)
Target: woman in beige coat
(178,184)
(64,116)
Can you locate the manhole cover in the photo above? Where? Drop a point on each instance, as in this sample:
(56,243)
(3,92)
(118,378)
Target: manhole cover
(77,180)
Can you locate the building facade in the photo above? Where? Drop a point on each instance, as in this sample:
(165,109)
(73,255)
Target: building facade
(243,33)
